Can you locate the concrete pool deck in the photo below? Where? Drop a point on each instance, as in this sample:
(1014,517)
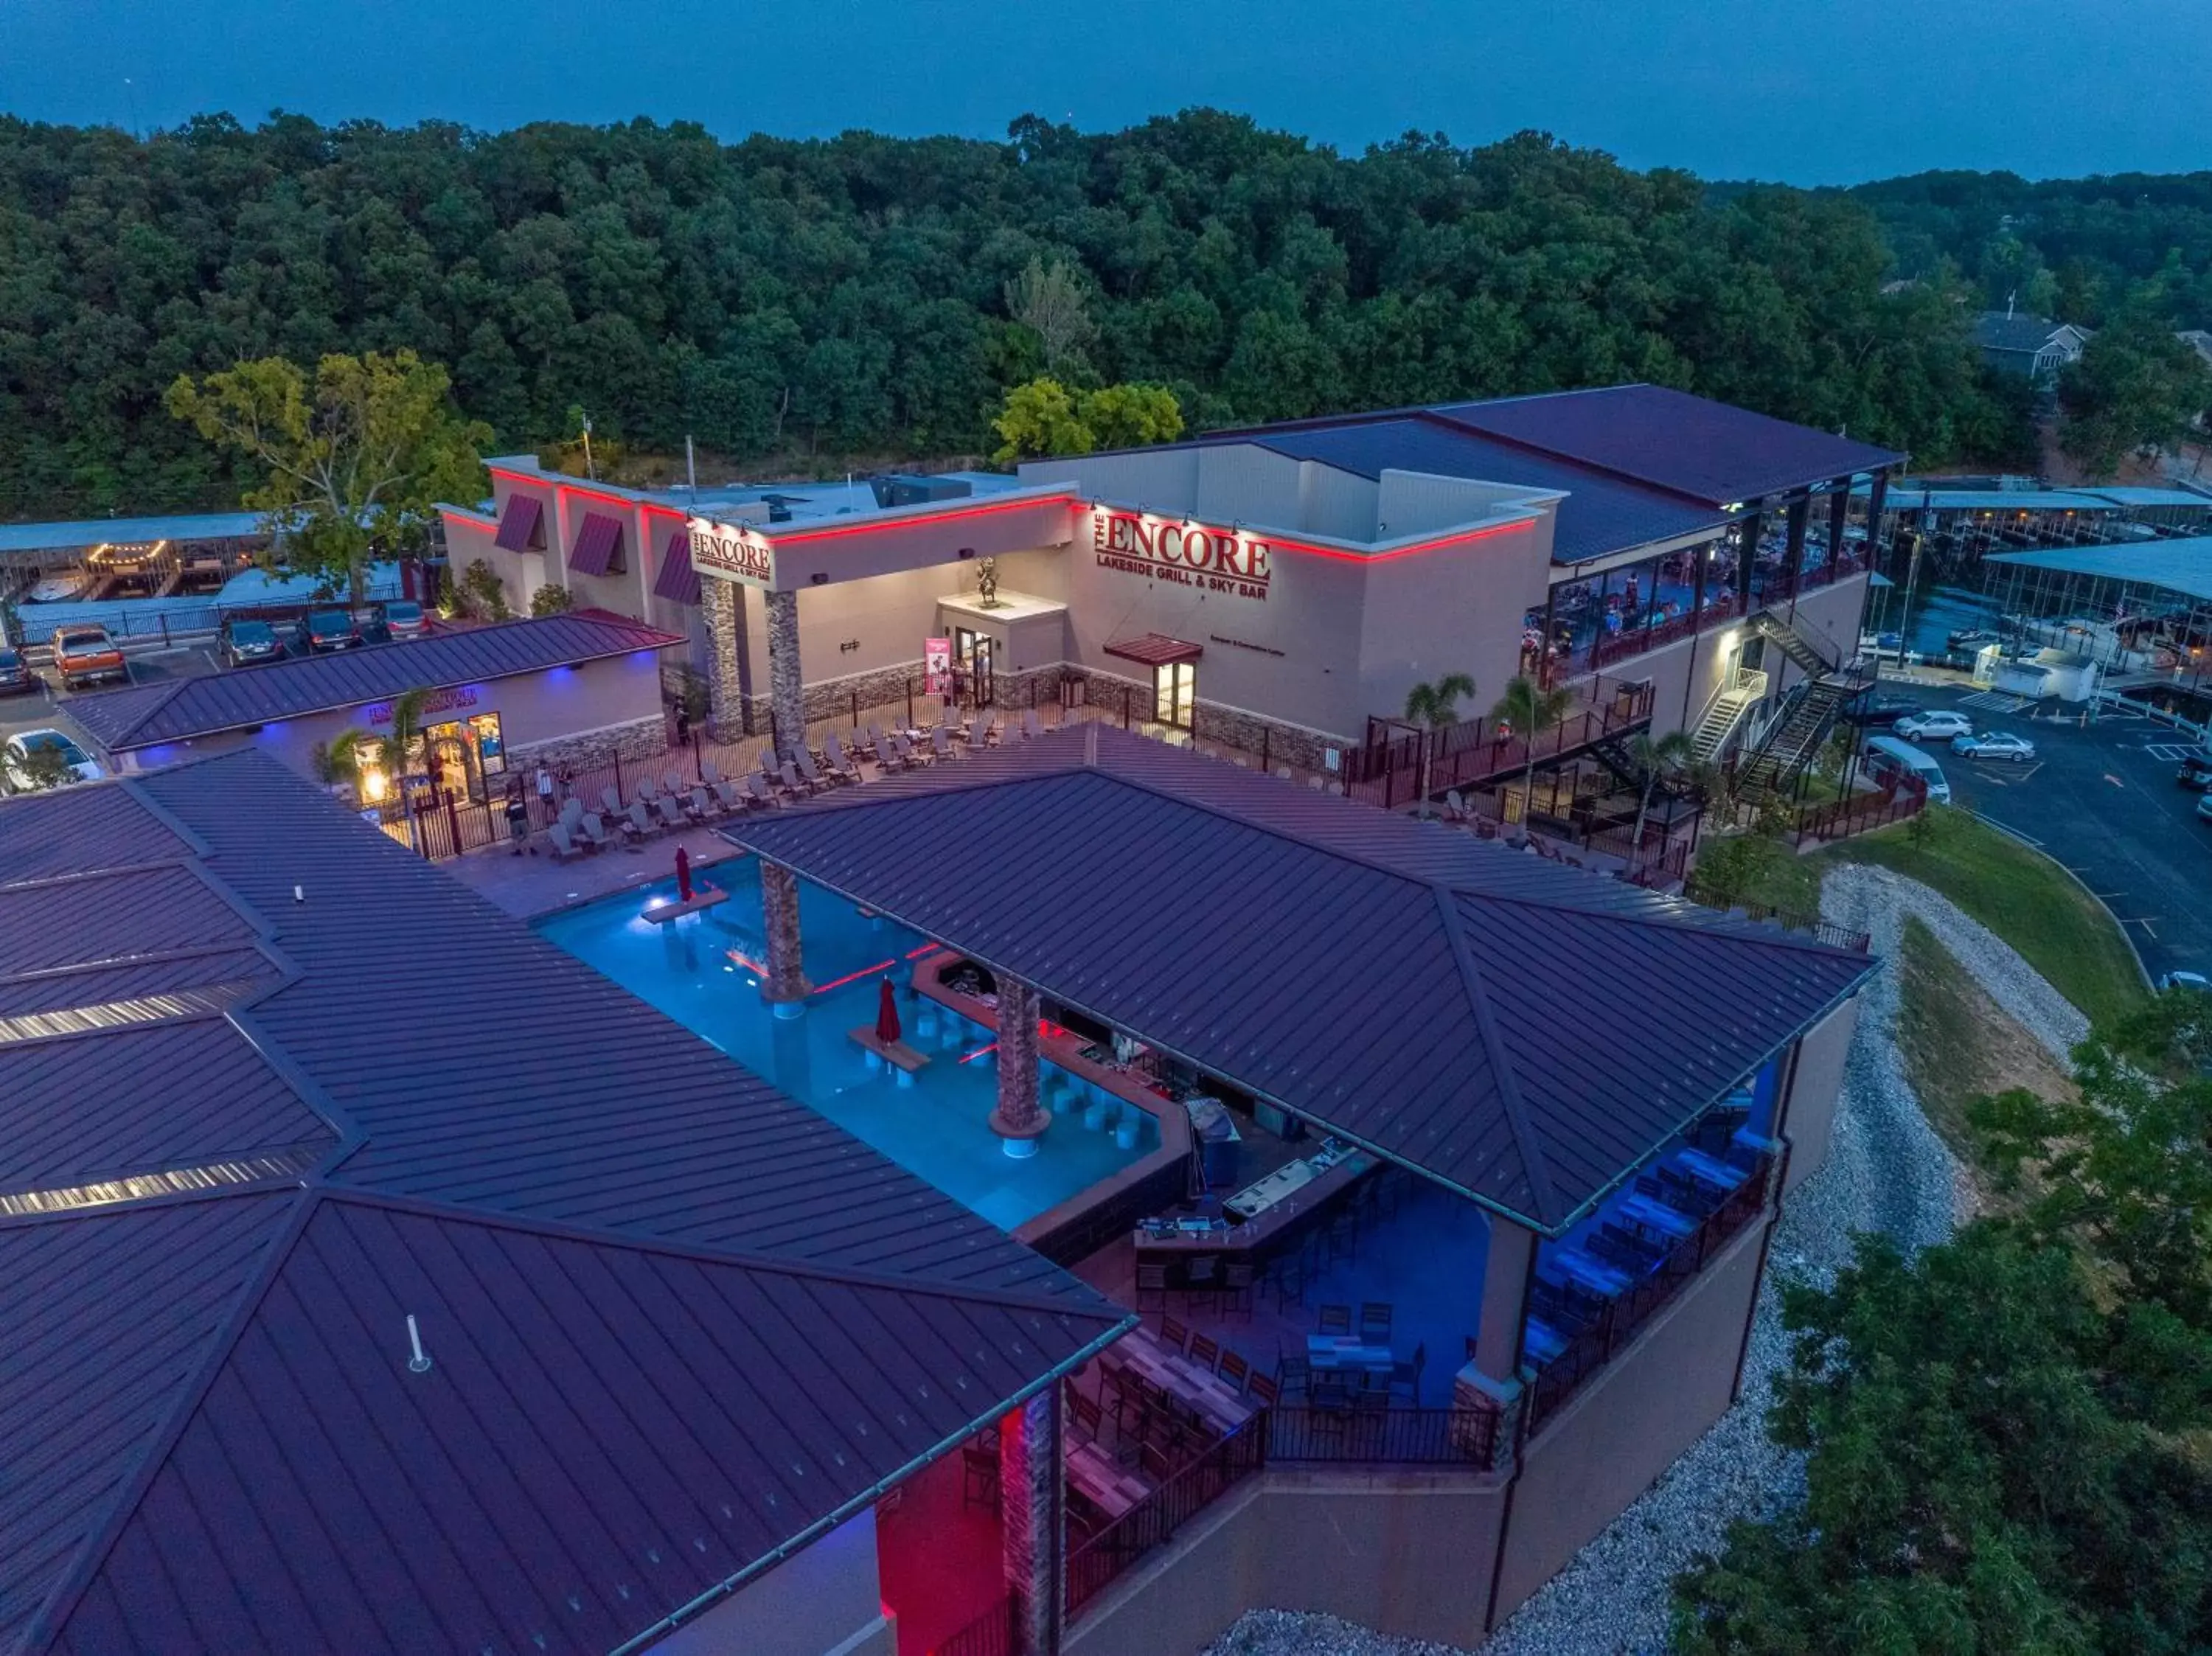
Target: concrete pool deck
(529,886)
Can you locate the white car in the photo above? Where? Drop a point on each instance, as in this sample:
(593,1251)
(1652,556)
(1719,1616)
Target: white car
(2190,981)
(1940,726)
(25,774)
(1994,744)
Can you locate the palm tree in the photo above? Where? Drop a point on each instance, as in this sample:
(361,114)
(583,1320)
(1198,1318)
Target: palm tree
(1435,706)
(408,708)
(1669,755)
(1528,709)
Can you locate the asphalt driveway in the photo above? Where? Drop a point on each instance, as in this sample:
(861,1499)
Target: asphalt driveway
(2101,798)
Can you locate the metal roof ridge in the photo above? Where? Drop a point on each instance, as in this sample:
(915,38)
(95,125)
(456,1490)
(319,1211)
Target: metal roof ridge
(153,704)
(1545,1197)
(1745,931)
(1559,456)
(338,1188)
(46,1626)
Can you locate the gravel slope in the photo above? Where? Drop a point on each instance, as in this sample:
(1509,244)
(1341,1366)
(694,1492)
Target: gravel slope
(1889,1172)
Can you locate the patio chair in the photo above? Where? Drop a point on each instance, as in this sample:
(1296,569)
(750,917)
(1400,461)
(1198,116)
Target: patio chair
(841,764)
(591,830)
(1206,1351)
(1375,1322)
(758,791)
(1293,1374)
(1176,1335)
(1152,1283)
(733,798)
(1032,726)
(939,743)
(611,800)
(1263,1391)
(1336,1320)
(1236,1280)
(792,783)
(910,755)
(709,772)
(704,806)
(673,784)
(886,760)
(671,811)
(979,1477)
(768,767)
(1202,1282)
(1234,1369)
(808,772)
(1089,1417)
(637,823)
(572,812)
(563,846)
(1408,1374)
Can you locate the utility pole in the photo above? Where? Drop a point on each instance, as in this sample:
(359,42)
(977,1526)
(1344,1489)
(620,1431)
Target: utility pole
(691,470)
(590,471)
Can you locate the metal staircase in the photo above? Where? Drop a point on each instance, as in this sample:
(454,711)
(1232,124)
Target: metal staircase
(1722,719)
(1802,653)
(1796,733)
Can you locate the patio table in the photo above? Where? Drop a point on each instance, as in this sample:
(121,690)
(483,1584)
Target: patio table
(1657,1216)
(1347,1354)
(1103,1482)
(1541,1342)
(1593,1274)
(1208,1394)
(1705,1168)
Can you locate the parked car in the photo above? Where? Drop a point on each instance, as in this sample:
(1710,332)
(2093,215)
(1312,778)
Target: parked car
(2195,771)
(86,655)
(1940,726)
(402,619)
(2204,807)
(246,643)
(32,760)
(1970,638)
(1881,711)
(1994,744)
(322,632)
(15,674)
(2193,980)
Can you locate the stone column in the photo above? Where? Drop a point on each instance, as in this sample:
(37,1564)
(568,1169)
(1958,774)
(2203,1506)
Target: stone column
(1029,1515)
(1492,1380)
(1018,1120)
(786,988)
(719,606)
(786,680)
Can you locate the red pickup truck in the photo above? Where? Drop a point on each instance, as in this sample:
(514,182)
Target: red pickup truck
(86,655)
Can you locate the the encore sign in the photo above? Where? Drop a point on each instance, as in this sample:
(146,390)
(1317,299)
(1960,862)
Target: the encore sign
(1185,555)
(721,550)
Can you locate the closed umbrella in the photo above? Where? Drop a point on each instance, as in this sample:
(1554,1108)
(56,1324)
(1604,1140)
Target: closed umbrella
(887,1019)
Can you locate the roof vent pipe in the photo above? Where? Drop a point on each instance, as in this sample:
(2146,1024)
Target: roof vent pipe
(299,893)
(419,1363)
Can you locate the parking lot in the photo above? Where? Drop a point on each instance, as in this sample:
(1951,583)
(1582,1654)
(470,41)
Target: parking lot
(2102,800)
(36,709)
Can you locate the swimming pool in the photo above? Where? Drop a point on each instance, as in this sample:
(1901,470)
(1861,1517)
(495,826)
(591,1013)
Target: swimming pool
(934,1125)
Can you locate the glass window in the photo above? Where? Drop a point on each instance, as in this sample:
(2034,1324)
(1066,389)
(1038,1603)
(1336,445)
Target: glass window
(491,745)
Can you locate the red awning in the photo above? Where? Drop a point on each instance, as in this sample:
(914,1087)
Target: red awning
(517,529)
(1155,649)
(595,545)
(678,581)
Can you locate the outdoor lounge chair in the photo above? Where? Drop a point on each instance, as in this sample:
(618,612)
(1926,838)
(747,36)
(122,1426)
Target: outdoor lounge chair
(910,755)
(809,772)
(709,772)
(637,821)
(841,764)
(675,785)
(593,831)
(1032,726)
(563,846)
(704,806)
(611,800)
(572,812)
(758,791)
(939,743)
(886,760)
(731,796)
(672,811)
(792,783)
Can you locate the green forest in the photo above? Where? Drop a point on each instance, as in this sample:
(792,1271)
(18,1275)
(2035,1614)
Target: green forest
(794,306)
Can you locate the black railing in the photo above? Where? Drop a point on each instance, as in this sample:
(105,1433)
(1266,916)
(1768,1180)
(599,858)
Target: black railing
(1153,1521)
(1383,1436)
(1790,919)
(1591,1347)
(996,1632)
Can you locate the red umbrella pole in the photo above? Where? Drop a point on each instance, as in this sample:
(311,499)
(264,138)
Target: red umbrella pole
(887,1018)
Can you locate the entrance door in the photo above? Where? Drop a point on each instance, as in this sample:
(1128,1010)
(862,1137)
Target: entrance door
(1174,694)
(972,650)
(447,756)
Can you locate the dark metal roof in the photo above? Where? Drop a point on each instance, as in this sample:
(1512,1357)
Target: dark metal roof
(518,526)
(1996,332)
(1708,450)
(146,717)
(1156,650)
(678,581)
(1601,515)
(679,1323)
(1525,1033)
(594,553)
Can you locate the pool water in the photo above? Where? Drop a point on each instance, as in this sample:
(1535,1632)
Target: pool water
(934,1124)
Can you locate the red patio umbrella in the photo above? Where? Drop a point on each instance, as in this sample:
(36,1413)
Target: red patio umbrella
(682,874)
(887,1023)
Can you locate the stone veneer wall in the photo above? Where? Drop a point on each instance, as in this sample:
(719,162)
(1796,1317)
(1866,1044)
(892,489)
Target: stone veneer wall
(641,738)
(1286,744)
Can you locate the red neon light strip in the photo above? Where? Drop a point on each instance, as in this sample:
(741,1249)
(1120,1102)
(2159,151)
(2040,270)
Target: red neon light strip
(589,494)
(981,1052)
(1399,551)
(751,966)
(855,977)
(926,949)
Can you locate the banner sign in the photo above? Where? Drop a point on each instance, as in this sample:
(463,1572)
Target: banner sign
(1183,554)
(438,701)
(937,666)
(732,552)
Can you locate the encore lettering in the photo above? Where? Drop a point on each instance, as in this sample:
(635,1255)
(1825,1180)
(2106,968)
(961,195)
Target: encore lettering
(1215,560)
(732,554)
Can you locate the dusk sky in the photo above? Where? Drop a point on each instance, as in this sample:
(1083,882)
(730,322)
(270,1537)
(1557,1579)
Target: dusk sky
(1808,91)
